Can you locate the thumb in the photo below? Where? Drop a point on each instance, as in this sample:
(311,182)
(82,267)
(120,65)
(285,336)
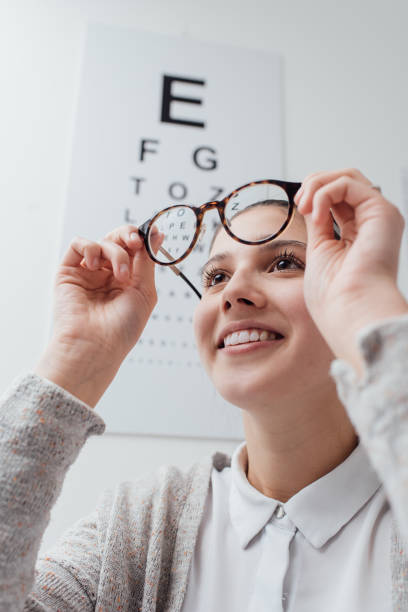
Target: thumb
(319,231)
(143,265)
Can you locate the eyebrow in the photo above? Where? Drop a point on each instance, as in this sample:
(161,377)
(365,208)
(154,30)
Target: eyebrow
(270,246)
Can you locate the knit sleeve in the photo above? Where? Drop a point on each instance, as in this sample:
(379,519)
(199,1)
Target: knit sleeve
(67,576)
(377,405)
(42,429)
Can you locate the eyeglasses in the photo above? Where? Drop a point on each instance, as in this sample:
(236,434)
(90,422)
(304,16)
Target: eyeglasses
(182,225)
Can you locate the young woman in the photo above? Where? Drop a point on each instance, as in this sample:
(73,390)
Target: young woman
(308,336)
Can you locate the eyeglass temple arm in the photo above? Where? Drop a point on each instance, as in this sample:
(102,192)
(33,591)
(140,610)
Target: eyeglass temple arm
(174,268)
(178,272)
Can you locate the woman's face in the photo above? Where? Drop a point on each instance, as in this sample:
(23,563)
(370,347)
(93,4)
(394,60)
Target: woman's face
(254,291)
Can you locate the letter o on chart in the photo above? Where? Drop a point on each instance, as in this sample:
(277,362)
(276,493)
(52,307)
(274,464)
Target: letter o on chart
(178,191)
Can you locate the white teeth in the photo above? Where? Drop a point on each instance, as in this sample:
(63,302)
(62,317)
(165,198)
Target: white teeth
(243,336)
(249,335)
(234,338)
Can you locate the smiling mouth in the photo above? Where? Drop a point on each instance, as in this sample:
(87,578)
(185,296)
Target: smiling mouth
(249,336)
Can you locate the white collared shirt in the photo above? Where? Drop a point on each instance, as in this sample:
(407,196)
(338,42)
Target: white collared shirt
(326,549)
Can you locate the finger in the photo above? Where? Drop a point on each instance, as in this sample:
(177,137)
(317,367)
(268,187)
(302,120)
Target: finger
(143,264)
(351,172)
(343,195)
(156,239)
(343,190)
(126,236)
(95,253)
(344,216)
(318,179)
(315,181)
(81,250)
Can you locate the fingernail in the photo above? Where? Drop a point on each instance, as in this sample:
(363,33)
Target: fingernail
(133,235)
(95,262)
(124,270)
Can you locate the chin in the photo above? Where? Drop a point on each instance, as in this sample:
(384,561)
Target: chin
(248,390)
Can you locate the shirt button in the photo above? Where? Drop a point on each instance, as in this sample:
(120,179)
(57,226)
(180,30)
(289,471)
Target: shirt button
(279,512)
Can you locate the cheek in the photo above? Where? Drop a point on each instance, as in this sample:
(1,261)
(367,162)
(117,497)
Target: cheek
(310,340)
(292,303)
(298,313)
(290,299)
(203,326)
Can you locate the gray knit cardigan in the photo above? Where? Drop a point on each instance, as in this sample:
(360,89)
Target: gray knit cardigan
(134,552)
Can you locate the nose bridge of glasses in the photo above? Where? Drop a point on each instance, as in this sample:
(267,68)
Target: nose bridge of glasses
(208,206)
(201,212)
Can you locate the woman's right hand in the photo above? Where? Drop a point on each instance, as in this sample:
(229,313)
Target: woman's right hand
(105,291)
(104,294)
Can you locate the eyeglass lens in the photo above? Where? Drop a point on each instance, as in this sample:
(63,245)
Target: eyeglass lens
(179,223)
(257,195)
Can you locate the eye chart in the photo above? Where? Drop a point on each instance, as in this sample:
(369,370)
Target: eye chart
(163,121)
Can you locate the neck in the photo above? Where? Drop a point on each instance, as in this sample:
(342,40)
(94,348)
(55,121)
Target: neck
(292,445)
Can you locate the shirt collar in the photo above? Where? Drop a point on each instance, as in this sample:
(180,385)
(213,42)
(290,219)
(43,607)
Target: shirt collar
(319,510)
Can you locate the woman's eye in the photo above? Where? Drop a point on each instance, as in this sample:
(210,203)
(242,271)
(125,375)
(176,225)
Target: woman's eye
(282,262)
(287,262)
(212,278)
(217,278)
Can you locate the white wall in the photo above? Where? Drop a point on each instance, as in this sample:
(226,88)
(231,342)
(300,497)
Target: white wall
(346,101)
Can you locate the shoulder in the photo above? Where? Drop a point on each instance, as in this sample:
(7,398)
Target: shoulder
(168,485)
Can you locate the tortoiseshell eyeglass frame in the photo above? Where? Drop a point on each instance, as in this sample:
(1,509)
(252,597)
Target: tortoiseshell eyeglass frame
(290,189)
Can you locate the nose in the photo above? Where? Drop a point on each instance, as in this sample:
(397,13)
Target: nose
(243,291)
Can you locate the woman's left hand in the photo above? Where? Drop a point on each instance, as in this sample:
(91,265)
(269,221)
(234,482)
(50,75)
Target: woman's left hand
(352,282)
